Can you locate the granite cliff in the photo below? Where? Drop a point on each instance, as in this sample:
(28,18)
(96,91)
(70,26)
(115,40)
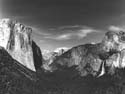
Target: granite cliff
(16,39)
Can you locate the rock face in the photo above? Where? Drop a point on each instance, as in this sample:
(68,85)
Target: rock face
(37,55)
(16,39)
(87,58)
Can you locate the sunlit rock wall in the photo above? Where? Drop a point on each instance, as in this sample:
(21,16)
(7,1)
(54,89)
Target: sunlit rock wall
(16,39)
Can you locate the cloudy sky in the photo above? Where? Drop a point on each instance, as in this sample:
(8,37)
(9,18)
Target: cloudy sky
(66,23)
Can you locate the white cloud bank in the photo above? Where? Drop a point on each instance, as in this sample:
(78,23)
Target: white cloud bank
(71,32)
(116,28)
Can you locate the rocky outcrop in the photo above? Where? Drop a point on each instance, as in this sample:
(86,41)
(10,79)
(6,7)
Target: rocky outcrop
(16,39)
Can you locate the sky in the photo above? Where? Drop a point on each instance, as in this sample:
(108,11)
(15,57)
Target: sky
(66,23)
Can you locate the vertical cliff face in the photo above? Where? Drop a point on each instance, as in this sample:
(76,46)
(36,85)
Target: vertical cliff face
(4,32)
(37,55)
(16,39)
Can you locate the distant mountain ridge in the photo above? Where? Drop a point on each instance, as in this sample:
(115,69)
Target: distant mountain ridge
(93,58)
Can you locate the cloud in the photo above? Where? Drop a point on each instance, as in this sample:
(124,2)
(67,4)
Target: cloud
(115,28)
(70,32)
(63,37)
(40,32)
(60,48)
(83,33)
(70,26)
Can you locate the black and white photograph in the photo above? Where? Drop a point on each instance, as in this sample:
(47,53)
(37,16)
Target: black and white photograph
(62,46)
